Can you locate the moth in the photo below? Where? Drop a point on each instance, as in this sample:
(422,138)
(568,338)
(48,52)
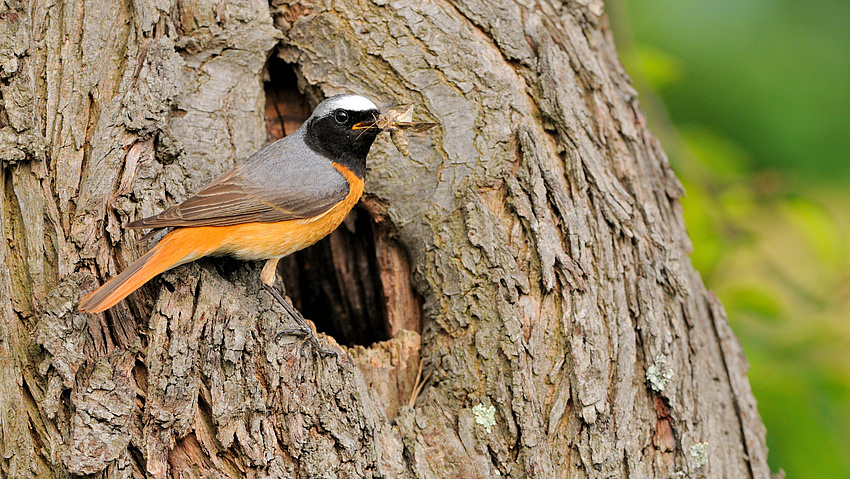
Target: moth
(398,121)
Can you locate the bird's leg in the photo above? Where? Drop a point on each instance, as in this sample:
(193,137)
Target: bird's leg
(268,277)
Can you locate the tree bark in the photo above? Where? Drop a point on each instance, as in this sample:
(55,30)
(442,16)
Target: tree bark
(562,329)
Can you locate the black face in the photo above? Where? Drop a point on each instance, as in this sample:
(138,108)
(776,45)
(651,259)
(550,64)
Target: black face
(334,136)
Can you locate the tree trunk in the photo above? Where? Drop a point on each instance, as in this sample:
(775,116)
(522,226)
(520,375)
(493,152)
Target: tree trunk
(531,253)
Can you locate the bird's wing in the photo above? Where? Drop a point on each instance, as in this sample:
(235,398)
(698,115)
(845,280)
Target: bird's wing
(278,183)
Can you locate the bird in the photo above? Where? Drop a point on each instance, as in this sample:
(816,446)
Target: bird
(284,198)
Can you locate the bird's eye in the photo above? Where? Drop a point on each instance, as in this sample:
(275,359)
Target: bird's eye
(341,117)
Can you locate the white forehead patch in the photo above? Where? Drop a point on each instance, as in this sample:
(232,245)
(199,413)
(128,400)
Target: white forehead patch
(345,102)
(354,103)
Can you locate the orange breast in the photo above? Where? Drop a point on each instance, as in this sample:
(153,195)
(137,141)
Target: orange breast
(252,241)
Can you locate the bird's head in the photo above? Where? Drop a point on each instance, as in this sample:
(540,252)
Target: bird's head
(342,129)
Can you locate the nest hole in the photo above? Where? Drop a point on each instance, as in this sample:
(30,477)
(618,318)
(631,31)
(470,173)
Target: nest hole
(354,284)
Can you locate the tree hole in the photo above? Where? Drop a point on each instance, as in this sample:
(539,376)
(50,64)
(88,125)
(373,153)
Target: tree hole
(354,284)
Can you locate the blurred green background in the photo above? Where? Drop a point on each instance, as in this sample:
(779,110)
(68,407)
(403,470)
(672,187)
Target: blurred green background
(751,99)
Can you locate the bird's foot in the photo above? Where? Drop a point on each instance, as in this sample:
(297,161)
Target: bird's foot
(304,331)
(307,334)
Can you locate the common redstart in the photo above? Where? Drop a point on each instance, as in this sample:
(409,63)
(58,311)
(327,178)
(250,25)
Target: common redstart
(286,197)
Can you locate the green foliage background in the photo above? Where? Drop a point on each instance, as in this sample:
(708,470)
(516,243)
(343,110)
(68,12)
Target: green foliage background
(751,99)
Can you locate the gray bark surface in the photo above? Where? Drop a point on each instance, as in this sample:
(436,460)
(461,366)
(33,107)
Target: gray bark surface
(564,331)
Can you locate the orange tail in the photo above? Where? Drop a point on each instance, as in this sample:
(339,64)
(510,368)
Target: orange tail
(163,256)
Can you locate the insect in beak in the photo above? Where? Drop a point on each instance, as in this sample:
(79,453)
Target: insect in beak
(398,121)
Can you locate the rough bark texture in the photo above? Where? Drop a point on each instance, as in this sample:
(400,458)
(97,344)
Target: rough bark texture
(564,332)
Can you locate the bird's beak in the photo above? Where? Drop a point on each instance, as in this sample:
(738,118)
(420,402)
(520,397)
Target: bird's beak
(364,125)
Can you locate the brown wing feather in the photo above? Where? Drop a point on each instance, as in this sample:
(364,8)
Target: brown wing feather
(278,183)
